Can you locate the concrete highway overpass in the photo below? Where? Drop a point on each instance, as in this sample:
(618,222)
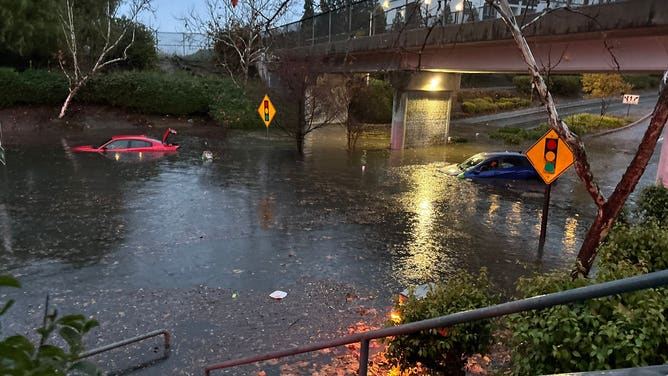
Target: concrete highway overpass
(425,65)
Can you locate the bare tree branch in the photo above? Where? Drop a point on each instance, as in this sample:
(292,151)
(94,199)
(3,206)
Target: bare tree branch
(80,74)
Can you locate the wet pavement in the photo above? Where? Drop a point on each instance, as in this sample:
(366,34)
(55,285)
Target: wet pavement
(197,246)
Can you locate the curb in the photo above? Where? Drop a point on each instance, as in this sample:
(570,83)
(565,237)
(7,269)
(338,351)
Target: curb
(620,128)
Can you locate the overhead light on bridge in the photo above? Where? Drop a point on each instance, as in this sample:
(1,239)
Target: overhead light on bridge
(460,6)
(386,4)
(433,83)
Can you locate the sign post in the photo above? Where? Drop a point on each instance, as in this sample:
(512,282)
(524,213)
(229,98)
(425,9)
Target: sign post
(550,156)
(267,112)
(630,99)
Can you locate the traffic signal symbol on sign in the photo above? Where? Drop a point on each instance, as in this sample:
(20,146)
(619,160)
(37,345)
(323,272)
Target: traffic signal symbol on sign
(550,154)
(266,111)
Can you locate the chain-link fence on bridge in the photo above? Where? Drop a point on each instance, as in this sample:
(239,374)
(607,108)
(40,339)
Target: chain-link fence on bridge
(370,17)
(181,44)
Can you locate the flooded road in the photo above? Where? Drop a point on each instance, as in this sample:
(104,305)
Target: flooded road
(259,218)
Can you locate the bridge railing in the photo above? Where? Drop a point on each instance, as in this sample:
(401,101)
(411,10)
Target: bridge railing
(372,17)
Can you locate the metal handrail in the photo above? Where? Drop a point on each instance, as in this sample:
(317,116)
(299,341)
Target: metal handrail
(640,282)
(128,341)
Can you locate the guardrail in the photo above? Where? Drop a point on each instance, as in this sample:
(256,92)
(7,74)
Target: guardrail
(641,282)
(129,341)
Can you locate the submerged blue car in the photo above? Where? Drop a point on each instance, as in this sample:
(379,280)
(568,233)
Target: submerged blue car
(495,164)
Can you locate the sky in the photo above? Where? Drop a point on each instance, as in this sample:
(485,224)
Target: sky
(168,12)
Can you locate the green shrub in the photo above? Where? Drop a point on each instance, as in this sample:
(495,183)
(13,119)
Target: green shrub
(19,356)
(142,55)
(143,91)
(522,84)
(613,332)
(566,85)
(231,108)
(150,92)
(582,124)
(652,204)
(31,87)
(642,81)
(562,85)
(443,349)
(618,331)
(373,103)
(487,104)
(514,135)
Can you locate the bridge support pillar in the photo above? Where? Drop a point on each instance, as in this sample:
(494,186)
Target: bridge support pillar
(421,107)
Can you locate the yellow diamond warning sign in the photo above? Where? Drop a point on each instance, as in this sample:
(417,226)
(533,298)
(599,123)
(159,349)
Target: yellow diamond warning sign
(550,156)
(266,111)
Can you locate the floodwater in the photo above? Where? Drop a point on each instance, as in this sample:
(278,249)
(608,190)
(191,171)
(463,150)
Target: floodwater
(260,217)
(376,217)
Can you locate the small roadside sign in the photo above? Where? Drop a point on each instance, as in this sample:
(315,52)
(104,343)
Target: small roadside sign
(266,111)
(550,156)
(630,99)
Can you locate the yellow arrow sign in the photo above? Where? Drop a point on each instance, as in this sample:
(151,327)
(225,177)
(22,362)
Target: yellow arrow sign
(266,111)
(550,156)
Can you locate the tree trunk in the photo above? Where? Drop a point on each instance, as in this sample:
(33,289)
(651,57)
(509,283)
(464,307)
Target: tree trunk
(299,134)
(69,98)
(608,212)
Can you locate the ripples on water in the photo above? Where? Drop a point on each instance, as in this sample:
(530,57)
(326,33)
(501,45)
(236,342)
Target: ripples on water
(259,213)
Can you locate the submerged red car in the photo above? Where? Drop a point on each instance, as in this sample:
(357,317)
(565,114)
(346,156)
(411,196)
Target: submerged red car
(132,144)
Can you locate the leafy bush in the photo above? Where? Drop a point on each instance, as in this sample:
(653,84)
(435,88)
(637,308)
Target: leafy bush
(149,92)
(32,87)
(562,85)
(487,104)
(613,332)
(18,356)
(653,204)
(142,54)
(643,81)
(566,85)
(618,331)
(231,108)
(580,124)
(373,103)
(173,94)
(514,135)
(443,349)
(522,84)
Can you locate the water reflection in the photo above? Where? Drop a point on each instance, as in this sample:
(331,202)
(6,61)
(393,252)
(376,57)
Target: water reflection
(423,246)
(258,215)
(136,157)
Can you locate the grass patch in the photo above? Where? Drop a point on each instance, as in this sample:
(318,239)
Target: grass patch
(580,124)
(487,105)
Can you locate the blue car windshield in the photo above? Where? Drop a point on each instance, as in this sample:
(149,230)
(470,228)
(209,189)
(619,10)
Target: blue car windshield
(473,161)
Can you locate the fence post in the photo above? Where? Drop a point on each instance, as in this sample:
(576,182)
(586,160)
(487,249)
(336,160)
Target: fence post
(364,357)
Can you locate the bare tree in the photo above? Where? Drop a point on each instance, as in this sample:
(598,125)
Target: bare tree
(313,101)
(76,62)
(608,208)
(355,83)
(237,32)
